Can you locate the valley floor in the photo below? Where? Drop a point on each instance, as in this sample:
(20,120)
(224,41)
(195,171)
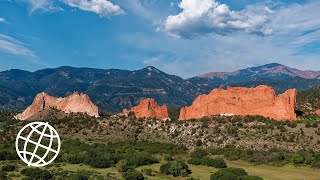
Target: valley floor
(287,172)
(105,142)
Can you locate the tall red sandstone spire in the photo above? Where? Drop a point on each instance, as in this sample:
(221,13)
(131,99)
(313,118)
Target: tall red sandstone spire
(76,102)
(148,108)
(261,100)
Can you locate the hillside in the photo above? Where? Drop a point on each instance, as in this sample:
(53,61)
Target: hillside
(309,100)
(111,89)
(108,147)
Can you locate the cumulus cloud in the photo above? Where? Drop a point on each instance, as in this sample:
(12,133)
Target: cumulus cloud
(11,45)
(205,16)
(103,8)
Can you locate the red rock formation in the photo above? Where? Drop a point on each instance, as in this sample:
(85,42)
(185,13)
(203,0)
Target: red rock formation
(148,108)
(74,103)
(317,112)
(261,100)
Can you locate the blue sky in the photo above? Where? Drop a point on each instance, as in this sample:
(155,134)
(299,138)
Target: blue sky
(181,37)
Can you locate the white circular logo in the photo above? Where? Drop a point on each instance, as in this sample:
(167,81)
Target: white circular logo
(38,144)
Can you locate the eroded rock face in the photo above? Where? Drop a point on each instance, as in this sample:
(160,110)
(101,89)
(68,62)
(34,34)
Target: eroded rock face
(74,103)
(148,108)
(261,100)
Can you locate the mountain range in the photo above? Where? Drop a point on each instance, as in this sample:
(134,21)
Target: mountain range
(114,89)
(272,71)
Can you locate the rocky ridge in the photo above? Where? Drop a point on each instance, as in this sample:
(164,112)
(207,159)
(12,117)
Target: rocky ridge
(148,108)
(74,103)
(261,100)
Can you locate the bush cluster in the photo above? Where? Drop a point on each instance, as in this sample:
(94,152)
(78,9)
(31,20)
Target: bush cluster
(80,175)
(8,167)
(36,173)
(133,175)
(273,156)
(106,155)
(217,162)
(175,168)
(233,174)
(199,153)
(3,175)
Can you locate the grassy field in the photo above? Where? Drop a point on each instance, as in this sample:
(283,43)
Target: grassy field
(288,172)
(278,173)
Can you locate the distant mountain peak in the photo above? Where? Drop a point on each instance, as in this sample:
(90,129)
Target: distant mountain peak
(151,68)
(271,65)
(272,71)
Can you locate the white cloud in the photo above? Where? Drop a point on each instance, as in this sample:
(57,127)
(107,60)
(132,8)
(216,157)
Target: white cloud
(296,21)
(3,20)
(103,8)
(43,5)
(12,46)
(138,9)
(294,42)
(205,16)
(152,11)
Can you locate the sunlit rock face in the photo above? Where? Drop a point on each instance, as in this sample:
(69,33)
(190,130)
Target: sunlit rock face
(148,108)
(74,103)
(261,100)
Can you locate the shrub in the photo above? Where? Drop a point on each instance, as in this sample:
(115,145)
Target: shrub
(80,175)
(195,161)
(168,157)
(36,173)
(233,174)
(166,168)
(297,159)
(292,124)
(250,178)
(8,155)
(308,125)
(223,175)
(316,164)
(99,162)
(217,163)
(236,171)
(122,166)
(3,175)
(199,142)
(314,125)
(147,171)
(133,175)
(199,153)
(310,160)
(139,159)
(8,167)
(175,168)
